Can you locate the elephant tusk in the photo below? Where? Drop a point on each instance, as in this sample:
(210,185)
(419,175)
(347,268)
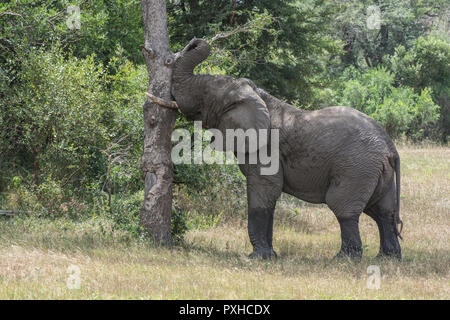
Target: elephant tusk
(163,103)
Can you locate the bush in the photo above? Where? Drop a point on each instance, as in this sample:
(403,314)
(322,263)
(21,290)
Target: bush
(179,224)
(19,197)
(125,212)
(398,109)
(426,65)
(59,119)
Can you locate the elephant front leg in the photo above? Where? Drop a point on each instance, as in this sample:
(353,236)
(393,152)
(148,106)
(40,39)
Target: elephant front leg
(263,192)
(260,231)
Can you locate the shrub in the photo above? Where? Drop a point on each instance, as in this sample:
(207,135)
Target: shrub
(426,65)
(179,224)
(125,212)
(398,109)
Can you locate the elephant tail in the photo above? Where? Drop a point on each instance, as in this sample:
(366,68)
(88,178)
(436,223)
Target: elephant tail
(397,220)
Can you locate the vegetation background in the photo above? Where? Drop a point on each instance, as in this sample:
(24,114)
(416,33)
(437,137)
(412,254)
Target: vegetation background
(72,124)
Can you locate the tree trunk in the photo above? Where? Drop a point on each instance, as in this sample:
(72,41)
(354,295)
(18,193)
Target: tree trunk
(108,179)
(158,125)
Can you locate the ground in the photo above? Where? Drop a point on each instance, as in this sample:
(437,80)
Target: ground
(36,254)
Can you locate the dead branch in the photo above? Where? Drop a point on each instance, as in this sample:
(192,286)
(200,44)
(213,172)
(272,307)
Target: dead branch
(10,14)
(13,212)
(163,103)
(244,28)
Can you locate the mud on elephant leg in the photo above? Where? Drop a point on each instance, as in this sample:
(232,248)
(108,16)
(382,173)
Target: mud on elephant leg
(351,241)
(383,212)
(262,195)
(260,231)
(389,244)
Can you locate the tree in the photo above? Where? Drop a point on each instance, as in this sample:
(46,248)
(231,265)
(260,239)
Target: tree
(372,29)
(158,125)
(55,114)
(283,53)
(426,64)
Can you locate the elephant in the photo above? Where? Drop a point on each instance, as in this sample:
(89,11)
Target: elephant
(336,155)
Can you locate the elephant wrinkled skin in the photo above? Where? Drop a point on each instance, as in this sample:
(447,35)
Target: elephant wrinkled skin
(336,155)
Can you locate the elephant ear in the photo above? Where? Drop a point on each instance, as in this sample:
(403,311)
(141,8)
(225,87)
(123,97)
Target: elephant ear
(244,109)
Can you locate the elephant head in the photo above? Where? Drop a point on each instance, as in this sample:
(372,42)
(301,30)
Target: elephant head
(183,78)
(220,102)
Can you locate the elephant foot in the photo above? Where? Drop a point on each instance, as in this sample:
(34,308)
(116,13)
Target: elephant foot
(393,255)
(390,249)
(353,254)
(264,254)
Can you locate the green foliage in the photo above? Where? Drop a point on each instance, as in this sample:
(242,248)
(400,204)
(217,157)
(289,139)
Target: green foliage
(398,109)
(179,224)
(365,91)
(403,111)
(426,64)
(19,197)
(105,26)
(401,22)
(125,211)
(71,99)
(55,116)
(62,115)
(287,44)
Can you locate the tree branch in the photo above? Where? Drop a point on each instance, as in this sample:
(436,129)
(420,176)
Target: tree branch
(148,52)
(244,28)
(163,103)
(10,14)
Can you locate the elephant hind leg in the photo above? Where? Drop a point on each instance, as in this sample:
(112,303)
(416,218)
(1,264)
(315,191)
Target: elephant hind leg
(347,200)
(383,212)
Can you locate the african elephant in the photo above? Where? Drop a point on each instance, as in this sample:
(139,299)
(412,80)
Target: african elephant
(336,155)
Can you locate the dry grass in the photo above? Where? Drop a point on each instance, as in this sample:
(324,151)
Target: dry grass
(213,263)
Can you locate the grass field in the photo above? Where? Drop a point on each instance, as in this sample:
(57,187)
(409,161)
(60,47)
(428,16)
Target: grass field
(35,255)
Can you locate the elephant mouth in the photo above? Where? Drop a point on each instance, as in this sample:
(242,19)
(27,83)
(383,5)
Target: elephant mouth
(191,47)
(198,114)
(194,44)
(193,116)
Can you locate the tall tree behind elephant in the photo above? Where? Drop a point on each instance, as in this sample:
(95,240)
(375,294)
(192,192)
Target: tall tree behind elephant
(336,155)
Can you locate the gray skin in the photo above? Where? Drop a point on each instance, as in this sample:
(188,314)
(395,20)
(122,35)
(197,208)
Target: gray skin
(336,155)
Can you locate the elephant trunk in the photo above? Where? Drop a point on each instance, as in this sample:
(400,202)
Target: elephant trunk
(192,55)
(185,85)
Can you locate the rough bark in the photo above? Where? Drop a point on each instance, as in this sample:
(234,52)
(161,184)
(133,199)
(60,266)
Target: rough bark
(158,125)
